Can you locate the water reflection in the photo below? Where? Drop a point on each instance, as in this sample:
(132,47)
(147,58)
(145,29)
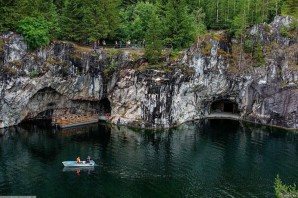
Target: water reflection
(79,170)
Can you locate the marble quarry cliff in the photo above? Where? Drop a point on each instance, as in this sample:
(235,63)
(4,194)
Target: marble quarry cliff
(254,78)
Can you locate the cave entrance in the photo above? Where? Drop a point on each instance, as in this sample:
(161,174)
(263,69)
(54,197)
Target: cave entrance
(224,106)
(104,106)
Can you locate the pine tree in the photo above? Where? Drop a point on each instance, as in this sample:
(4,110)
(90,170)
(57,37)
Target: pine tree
(290,7)
(154,43)
(95,24)
(179,24)
(72,20)
(111,15)
(9,15)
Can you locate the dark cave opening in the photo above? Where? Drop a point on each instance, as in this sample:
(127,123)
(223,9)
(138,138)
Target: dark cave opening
(104,106)
(221,106)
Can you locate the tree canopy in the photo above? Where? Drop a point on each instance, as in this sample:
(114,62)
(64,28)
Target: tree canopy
(180,21)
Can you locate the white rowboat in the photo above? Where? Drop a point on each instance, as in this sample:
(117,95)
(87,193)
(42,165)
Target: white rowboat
(75,164)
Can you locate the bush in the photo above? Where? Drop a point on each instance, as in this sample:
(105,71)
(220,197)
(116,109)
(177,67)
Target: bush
(258,55)
(284,31)
(35,32)
(282,190)
(34,74)
(110,68)
(248,45)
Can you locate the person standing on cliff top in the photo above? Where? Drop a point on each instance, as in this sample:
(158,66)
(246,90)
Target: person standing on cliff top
(104,44)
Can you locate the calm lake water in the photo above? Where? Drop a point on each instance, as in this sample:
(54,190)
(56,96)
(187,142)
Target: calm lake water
(210,158)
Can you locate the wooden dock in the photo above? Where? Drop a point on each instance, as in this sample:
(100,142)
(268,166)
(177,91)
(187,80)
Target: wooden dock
(73,120)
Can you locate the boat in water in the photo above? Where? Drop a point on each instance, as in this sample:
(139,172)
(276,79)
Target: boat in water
(91,163)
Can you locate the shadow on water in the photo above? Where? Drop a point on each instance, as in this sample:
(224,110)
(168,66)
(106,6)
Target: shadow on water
(40,140)
(92,133)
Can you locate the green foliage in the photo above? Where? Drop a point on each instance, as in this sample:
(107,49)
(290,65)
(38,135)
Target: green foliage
(33,74)
(111,15)
(294,24)
(35,32)
(239,25)
(110,68)
(290,7)
(153,39)
(135,21)
(9,15)
(94,22)
(282,190)
(179,24)
(182,20)
(72,20)
(142,15)
(248,45)
(258,55)
(284,31)
(293,30)
(199,17)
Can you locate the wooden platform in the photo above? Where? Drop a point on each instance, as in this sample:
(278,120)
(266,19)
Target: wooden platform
(73,120)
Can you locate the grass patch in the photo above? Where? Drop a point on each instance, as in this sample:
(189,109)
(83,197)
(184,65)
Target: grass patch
(1,45)
(113,53)
(76,56)
(174,55)
(53,61)
(206,49)
(234,70)
(17,64)
(223,53)
(11,71)
(110,68)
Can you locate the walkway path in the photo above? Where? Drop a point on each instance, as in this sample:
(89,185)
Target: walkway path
(224,115)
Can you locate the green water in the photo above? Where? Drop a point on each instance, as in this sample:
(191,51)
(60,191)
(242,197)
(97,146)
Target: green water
(211,158)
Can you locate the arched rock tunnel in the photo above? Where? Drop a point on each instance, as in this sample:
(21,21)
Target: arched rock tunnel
(48,102)
(42,104)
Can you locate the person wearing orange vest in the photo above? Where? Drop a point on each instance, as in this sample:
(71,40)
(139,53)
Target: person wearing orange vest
(78,160)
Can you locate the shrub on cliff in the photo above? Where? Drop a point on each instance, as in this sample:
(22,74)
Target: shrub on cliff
(35,32)
(282,190)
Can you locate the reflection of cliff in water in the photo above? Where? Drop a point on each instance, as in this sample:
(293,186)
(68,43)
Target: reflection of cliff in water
(91,133)
(40,140)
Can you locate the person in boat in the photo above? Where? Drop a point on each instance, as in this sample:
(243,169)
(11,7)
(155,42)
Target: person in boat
(88,159)
(78,160)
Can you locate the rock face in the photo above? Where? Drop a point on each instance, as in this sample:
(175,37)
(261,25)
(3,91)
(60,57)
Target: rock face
(215,75)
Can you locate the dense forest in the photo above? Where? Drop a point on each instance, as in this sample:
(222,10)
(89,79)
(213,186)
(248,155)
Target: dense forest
(159,22)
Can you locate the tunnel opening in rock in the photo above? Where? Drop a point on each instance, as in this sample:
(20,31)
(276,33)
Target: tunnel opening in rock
(42,104)
(104,106)
(224,106)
